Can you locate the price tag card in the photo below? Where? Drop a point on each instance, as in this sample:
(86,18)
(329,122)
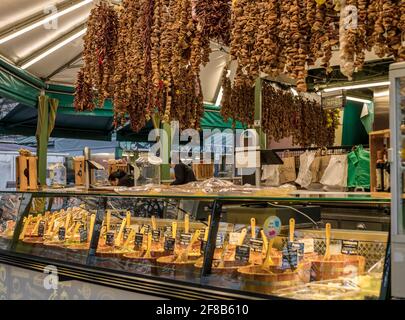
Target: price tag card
(202,234)
(290,258)
(110,237)
(309,244)
(185,239)
(335,247)
(127,231)
(147,228)
(156,235)
(62,234)
(138,240)
(300,247)
(350,247)
(169,244)
(219,244)
(82,234)
(168,231)
(242,253)
(203,245)
(256,245)
(234,238)
(41,229)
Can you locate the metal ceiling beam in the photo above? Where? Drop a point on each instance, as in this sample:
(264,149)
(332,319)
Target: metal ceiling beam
(51,44)
(64,67)
(23,23)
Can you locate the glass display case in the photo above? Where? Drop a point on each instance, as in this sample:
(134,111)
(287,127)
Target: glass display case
(397,123)
(230,246)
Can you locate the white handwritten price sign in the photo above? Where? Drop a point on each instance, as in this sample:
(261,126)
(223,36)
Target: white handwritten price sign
(272,227)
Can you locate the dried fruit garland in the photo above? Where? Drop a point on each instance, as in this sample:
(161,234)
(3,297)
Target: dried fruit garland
(99,58)
(285,115)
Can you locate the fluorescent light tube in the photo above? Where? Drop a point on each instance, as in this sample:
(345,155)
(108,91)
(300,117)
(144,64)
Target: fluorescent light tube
(43,21)
(382,94)
(53,49)
(219,98)
(358,100)
(359,86)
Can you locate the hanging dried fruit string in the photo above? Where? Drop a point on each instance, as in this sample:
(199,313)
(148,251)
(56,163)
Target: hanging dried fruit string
(99,57)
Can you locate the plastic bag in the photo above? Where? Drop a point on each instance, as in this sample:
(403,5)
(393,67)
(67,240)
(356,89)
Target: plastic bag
(287,170)
(359,168)
(305,175)
(336,173)
(271,174)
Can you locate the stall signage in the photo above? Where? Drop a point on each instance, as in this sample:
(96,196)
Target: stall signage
(169,244)
(82,234)
(220,241)
(41,229)
(242,253)
(185,239)
(138,240)
(109,240)
(256,245)
(350,247)
(272,227)
(156,235)
(62,234)
(290,258)
(309,245)
(234,238)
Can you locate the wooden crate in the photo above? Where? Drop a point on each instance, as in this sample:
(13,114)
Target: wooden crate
(203,171)
(378,139)
(79,168)
(27,173)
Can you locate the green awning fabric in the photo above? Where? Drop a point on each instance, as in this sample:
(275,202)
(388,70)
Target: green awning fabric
(213,119)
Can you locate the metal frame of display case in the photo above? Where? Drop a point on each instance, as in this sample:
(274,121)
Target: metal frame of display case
(397,71)
(161,287)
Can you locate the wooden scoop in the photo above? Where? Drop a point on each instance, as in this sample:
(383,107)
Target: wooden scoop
(129,239)
(153,218)
(242,236)
(92,221)
(26,223)
(128,219)
(35,230)
(108,220)
(253,228)
(222,261)
(120,233)
(207,229)
(50,225)
(148,248)
(209,220)
(292,229)
(265,240)
(183,257)
(327,240)
(68,218)
(186,223)
(268,262)
(174,230)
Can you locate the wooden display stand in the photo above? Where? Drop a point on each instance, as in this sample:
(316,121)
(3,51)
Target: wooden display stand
(203,171)
(378,140)
(79,172)
(26,173)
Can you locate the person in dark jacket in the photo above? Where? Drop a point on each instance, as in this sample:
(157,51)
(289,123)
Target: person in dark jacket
(182,172)
(121,179)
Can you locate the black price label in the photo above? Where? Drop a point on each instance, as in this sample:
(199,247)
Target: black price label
(219,244)
(203,245)
(290,258)
(62,234)
(202,234)
(242,253)
(83,234)
(350,247)
(138,240)
(109,240)
(256,245)
(169,244)
(185,239)
(127,231)
(147,228)
(299,246)
(156,235)
(41,229)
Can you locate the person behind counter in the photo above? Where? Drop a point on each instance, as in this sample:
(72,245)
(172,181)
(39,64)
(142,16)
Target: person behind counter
(121,179)
(182,172)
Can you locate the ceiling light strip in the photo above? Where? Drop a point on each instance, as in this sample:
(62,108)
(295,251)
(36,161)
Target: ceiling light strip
(359,86)
(53,49)
(43,21)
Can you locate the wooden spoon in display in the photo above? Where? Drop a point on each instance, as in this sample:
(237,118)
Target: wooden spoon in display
(253,228)
(148,248)
(268,262)
(292,229)
(183,256)
(242,236)
(327,240)
(174,230)
(265,241)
